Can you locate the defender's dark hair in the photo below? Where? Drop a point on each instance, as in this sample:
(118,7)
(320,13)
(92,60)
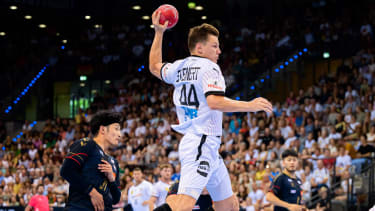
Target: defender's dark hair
(104,118)
(289,152)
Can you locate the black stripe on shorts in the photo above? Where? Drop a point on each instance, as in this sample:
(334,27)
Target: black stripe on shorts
(203,139)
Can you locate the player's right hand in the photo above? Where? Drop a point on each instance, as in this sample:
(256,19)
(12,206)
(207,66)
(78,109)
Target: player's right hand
(261,104)
(296,207)
(97,200)
(155,21)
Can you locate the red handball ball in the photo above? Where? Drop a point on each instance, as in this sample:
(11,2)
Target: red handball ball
(168,13)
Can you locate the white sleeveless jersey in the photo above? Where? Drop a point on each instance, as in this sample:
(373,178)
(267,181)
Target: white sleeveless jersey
(194,78)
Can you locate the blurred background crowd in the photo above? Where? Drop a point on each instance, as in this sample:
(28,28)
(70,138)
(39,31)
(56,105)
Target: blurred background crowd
(330,123)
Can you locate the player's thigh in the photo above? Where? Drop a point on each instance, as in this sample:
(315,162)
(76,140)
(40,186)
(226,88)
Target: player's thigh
(196,166)
(193,179)
(181,202)
(219,185)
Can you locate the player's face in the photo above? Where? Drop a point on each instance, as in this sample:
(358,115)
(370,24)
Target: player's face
(166,173)
(113,134)
(137,176)
(290,163)
(210,48)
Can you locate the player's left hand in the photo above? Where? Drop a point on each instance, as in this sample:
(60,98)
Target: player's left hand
(145,203)
(106,168)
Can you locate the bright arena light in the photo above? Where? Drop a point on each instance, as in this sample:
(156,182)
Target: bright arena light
(136,7)
(13,7)
(87,17)
(152,26)
(28,17)
(42,26)
(198,8)
(204,17)
(146,17)
(65,41)
(2,33)
(97,26)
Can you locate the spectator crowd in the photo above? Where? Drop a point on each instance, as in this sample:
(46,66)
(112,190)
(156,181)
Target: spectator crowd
(330,124)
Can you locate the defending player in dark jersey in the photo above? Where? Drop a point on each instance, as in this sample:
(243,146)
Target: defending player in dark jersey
(93,175)
(285,192)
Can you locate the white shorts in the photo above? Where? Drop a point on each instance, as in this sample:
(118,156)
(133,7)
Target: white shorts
(202,166)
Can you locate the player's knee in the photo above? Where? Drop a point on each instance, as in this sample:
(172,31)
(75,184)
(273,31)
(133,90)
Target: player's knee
(229,204)
(183,203)
(186,204)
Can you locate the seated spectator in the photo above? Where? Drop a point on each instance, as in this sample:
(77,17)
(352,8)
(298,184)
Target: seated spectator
(341,192)
(371,135)
(343,161)
(256,195)
(320,176)
(310,141)
(363,153)
(323,140)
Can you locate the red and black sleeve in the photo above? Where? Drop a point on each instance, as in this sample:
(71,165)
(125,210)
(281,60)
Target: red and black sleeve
(73,163)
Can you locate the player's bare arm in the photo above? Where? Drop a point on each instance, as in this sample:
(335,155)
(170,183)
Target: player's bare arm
(224,104)
(155,58)
(151,202)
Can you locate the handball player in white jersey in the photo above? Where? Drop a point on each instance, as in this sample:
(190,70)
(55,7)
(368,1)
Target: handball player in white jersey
(160,188)
(199,89)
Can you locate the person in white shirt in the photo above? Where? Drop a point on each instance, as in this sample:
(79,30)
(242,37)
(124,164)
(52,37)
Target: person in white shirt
(309,141)
(333,134)
(199,98)
(140,192)
(256,194)
(291,137)
(323,140)
(284,128)
(352,125)
(371,134)
(351,92)
(254,127)
(316,156)
(125,128)
(160,189)
(140,130)
(343,161)
(306,188)
(320,175)
(161,127)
